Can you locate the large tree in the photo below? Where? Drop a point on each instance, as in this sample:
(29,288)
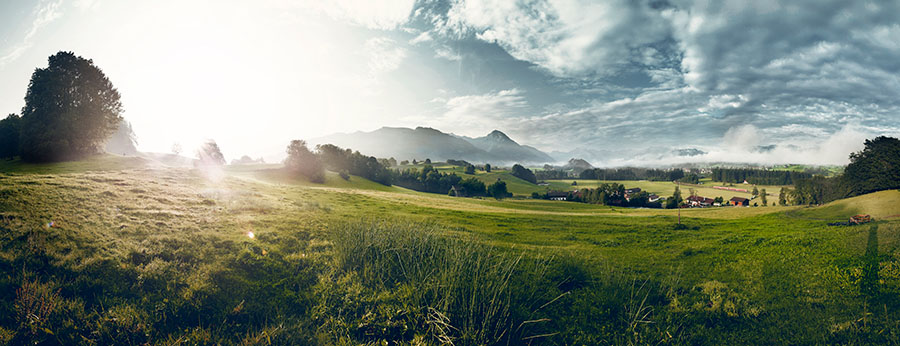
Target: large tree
(303,161)
(875,168)
(209,154)
(9,136)
(71,108)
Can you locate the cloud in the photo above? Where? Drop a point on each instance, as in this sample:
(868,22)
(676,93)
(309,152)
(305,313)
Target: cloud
(44,13)
(383,54)
(567,37)
(477,114)
(783,73)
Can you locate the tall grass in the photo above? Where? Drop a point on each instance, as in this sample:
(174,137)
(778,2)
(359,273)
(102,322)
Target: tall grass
(464,292)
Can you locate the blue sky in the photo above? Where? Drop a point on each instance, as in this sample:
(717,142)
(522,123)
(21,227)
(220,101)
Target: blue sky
(611,81)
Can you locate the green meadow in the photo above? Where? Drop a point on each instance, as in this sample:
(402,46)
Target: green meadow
(130,251)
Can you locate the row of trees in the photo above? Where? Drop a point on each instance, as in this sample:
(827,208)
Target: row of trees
(875,168)
(70,111)
(606,194)
(431,180)
(346,161)
(758,176)
(632,173)
(523,173)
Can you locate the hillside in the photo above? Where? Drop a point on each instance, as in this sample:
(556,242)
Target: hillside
(881,205)
(123,251)
(426,143)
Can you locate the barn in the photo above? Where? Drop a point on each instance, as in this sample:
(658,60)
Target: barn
(739,201)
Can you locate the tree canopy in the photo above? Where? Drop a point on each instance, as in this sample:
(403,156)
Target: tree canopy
(523,173)
(304,162)
(71,108)
(9,136)
(875,168)
(209,154)
(498,190)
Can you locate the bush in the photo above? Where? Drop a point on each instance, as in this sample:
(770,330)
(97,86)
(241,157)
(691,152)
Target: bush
(498,190)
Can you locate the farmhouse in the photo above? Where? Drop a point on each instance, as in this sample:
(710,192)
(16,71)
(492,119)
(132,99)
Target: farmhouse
(557,195)
(653,198)
(739,201)
(701,202)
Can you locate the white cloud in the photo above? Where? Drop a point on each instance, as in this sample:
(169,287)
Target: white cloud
(44,13)
(566,37)
(383,54)
(477,114)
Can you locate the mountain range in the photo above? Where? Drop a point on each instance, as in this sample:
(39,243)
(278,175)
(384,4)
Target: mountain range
(424,142)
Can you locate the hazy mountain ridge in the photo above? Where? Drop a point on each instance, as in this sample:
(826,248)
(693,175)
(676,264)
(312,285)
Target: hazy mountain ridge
(424,142)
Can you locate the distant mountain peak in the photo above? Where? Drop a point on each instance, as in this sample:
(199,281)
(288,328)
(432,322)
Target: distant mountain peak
(496,134)
(425,142)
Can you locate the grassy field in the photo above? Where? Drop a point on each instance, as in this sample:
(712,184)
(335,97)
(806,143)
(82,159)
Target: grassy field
(124,251)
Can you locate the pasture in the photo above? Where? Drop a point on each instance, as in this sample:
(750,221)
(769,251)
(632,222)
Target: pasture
(126,251)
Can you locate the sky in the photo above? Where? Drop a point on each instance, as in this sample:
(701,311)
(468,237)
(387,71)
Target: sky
(612,81)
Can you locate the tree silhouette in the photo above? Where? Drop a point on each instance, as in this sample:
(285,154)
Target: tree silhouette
(9,136)
(210,154)
(304,162)
(875,168)
(71,108)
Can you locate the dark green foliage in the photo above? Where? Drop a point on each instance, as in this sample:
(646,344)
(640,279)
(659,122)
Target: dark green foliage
(818,190)
(487,167)
(758,176)
(875,168)
(498,190)
(523,173)
(337,159)
(470,169)
(632,173)
(460,163)
(304,162)
(426,180)
(209,154)
(472,187)
(763,198)
(690,179)
(9,136)
(675,200)
(551,174)
(71,108)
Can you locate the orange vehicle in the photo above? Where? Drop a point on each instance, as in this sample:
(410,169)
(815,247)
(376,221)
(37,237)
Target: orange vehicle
(860,219)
